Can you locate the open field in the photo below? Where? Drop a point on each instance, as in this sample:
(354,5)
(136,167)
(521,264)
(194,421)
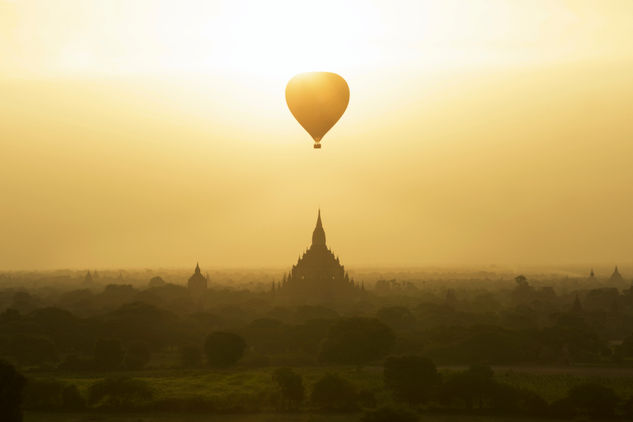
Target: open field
(253,384)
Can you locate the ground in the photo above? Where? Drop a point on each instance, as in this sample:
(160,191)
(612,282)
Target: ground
(39,417)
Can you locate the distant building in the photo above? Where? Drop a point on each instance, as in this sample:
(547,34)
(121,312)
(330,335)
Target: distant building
(318,276)
(88,278)
(156,281)
(616,276)
(197,283)
(576,307)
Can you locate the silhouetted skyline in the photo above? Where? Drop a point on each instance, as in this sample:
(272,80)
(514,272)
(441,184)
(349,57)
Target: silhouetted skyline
(318,276)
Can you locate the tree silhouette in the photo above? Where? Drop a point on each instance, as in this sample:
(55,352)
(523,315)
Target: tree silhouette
(331,392)
(137,355)
(190,355)
(223,349)
(412,379)
(594,399)
(357,341)
(108,354)
(11,387)
(290,385)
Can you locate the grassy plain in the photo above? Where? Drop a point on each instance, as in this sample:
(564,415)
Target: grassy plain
(253,384)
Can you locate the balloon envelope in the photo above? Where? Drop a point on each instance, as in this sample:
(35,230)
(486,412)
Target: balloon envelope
(317,100)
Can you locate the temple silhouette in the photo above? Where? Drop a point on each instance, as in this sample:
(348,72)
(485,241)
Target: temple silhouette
(197,283)
(318,276)
(616,276)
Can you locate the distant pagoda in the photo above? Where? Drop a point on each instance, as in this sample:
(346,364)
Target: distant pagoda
(197,283)
(318,276)
(616,276)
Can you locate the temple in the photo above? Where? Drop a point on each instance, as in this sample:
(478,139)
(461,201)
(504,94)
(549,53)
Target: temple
(318,276)
(197,283)
(616,276)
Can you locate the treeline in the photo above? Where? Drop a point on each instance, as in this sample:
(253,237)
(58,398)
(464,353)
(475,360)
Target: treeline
(128,337)
(411,385)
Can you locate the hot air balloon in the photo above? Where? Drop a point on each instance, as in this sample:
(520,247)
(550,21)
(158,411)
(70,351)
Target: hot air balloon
(317,100)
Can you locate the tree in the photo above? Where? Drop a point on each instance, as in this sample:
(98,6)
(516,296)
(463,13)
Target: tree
(190,355)
(472,387)
(523,292)
(357,341)
(108,354)
(32,350)
(412,379)
(137,355)
(11,387)
(266,335)
(43,394)
(156,281)
(627,345)
(223,349)
(396,317)
(52,394)
(290,385)
(331,392)
(140,321)
(119,393)
(593,399)
(71,398)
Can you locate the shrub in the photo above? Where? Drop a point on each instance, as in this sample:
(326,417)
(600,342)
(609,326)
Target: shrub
(51,394)
(594,399)
(72,398)
(120,393)
(43,394)
(471,388)
(223,349)
(290,385)
(476,388)
(412,379)
(333,393)
(193,404)
(76,363)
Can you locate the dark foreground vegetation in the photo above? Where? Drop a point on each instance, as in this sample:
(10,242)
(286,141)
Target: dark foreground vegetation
(403,389)
(115,348)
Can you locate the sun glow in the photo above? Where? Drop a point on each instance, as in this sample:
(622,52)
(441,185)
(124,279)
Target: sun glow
(285,38)
(280,38)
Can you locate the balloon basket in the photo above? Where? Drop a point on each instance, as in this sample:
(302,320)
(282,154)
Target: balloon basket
(317,146)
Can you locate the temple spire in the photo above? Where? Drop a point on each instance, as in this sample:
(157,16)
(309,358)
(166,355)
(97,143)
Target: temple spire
(197,268)
(616,276)
(318,235)
(577,308)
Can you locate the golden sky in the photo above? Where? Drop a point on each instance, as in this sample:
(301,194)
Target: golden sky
(155,133)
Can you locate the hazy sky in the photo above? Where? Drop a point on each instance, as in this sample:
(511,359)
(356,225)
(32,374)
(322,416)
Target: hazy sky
(155,133)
